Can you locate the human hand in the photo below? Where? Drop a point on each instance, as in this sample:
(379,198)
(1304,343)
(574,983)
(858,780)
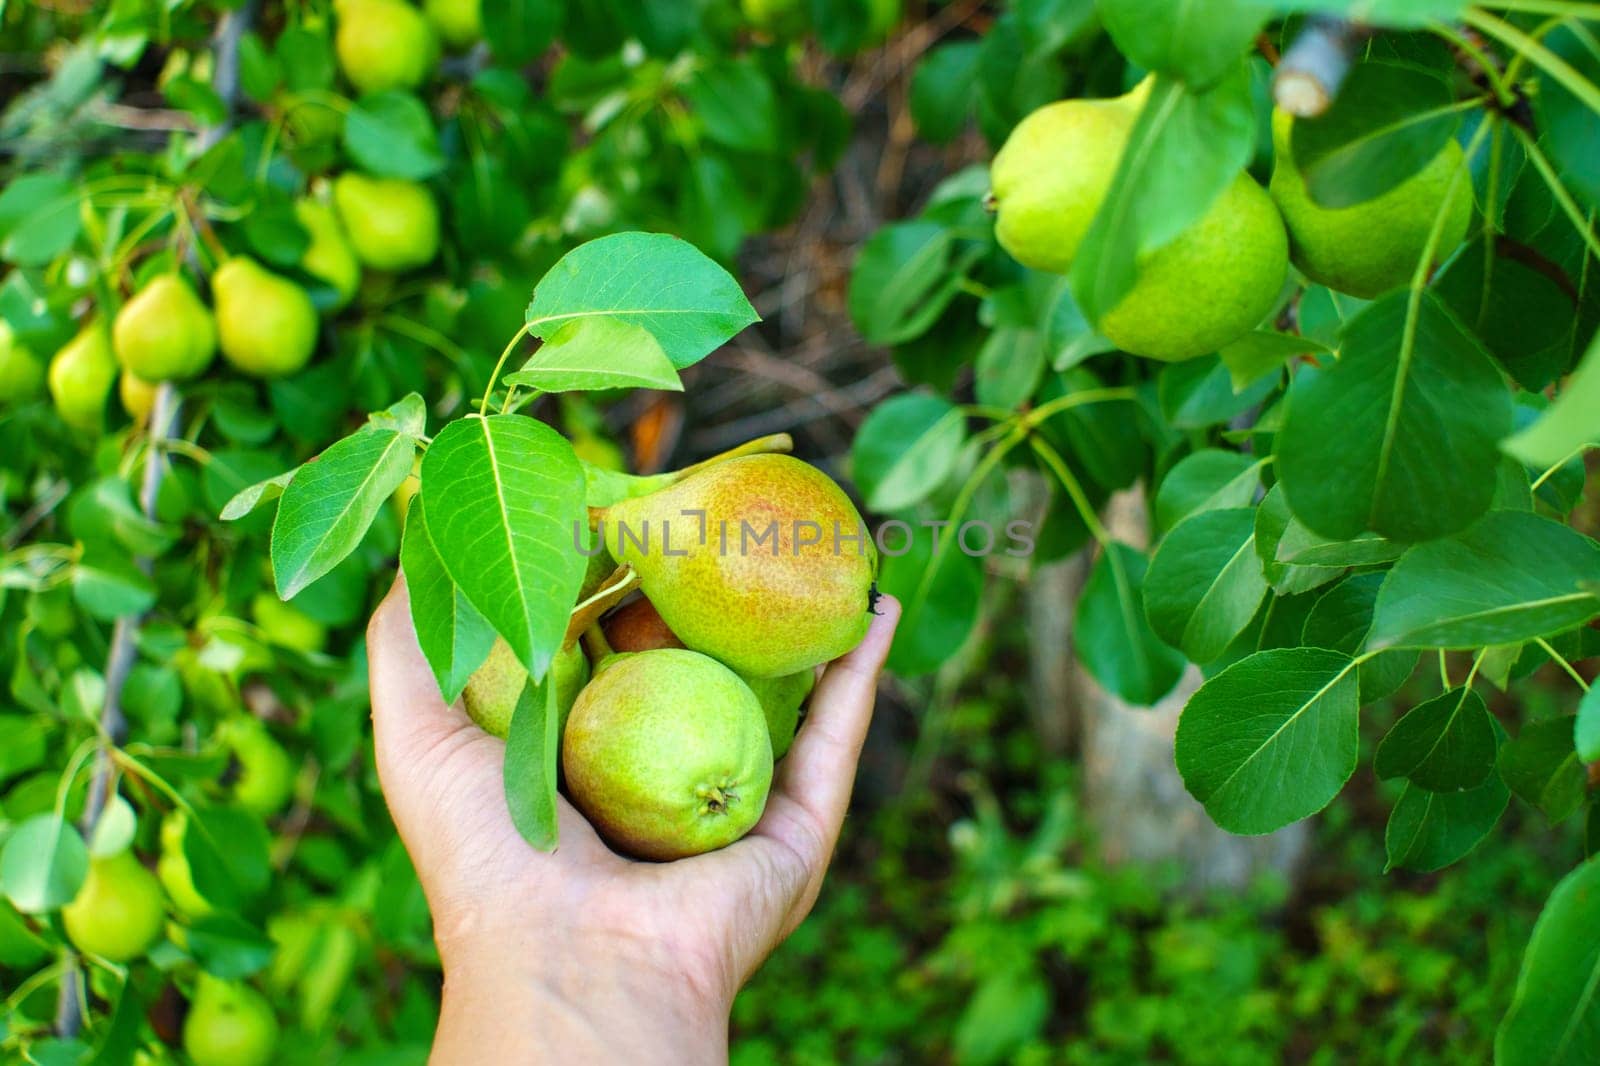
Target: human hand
(581,953)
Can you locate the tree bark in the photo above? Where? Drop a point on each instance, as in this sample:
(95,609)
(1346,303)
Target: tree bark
(1133,796)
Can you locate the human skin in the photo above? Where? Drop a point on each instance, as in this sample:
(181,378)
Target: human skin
(581,954)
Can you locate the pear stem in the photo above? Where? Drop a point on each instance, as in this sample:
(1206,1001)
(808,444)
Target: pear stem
(774,443)
(587,614)
(594,640)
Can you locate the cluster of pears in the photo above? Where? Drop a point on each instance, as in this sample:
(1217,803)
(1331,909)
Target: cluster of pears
(264,323)
(696,684)
(1223,275)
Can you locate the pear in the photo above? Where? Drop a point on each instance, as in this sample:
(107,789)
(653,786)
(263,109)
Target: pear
(780,580)
(229,1024)
(119,912)
(21,372)
(384,44)
(459,23)
(781,699)
(1212,284)
(1368,248)
(638,626)
(174,872)
(165,333)
(329,256)
(1049,178)
(492,692)
(266,323)
(263,777)
(393,224)
(138,396)
(1207,287)
(81,377)
(667,754)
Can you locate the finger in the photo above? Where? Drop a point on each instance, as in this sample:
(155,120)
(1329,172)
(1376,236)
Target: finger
(812,789)
(409,716)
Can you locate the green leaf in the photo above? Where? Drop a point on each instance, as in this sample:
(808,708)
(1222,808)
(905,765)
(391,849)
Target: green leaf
(453,636)
(903,280)
(109,586)
(502,496)
(906,449)
(1542,766)
(331,501)
(1566,122)
(1205,582)
(1586,733)
(942,89)
(228,852)
(1197,42)
(43,864)
(1446,744)
(1183,151)
(1273,523)
(940,610)
(1199,393)
(1520,312)
(1567,424)
(1009,367)
(686,301)
(390,134)
(1207,480)
(1272,739)
(39,218)
(518,31)
(407,416)
(1554,1018)
(598,353)
(735,102)
(1514,576)
(228,946)
(1387,123)
(1113,637)
(1340,621)
(532,744)
(1262,352)
(1428,831)
(1400,439)
(1400,14)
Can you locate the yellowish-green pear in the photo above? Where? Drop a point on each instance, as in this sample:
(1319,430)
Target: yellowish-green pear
(329,256)
(459,23)
(393,225)
(667,754)
(21,372)
(165,333)
(266,323)
(119,912)
(81,378)
(384,44)
(1374,246)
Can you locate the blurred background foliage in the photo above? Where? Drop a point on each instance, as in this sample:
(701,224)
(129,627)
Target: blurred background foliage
(968,917)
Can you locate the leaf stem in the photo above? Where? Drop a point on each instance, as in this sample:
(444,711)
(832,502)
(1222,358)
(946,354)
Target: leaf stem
(1536,53)
(1080,499)
(516,338)
(1563,461)
(1561,661)
(1569,206)
(1074,399)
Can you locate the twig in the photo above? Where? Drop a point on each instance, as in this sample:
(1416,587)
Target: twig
(1313,69)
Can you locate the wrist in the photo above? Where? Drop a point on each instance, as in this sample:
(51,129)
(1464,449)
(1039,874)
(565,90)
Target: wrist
(549,999)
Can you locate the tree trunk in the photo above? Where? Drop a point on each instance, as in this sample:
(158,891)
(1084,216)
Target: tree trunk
(1133,796)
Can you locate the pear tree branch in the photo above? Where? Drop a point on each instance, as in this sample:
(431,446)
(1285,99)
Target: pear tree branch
(1314,68)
